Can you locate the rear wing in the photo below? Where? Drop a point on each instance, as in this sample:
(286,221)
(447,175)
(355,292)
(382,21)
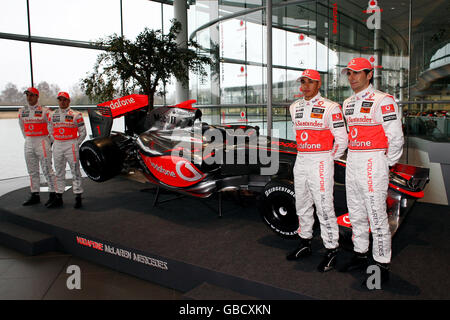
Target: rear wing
(101,118)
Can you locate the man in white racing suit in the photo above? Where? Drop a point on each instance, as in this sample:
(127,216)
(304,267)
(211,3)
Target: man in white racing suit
(37,148)
(68,129)
(375,143)
(321,137)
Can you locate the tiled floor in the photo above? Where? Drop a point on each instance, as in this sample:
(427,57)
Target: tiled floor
(44,277)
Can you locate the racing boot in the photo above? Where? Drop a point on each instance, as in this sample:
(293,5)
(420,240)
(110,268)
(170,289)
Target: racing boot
(77,204)
(57,201)
(359,261)
(303,250)
(372,283)
(33,199)
(51,197)
(329,261)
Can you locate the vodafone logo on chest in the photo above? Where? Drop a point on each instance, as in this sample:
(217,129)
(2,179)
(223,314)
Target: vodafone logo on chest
(354,143)
(304,136)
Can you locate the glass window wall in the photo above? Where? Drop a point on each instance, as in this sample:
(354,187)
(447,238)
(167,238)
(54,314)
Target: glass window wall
(15,76)
(84,20)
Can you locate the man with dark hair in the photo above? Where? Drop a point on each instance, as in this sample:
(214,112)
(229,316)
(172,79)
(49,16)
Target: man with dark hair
(375,143)
(369,77)
(321,137)
(68,130)
(33,124)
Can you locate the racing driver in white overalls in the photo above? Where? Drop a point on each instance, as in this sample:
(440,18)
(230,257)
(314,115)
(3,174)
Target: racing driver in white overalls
(375,143)
(37,148)
(321,137)
(68,129)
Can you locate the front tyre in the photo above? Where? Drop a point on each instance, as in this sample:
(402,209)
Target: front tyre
(277,208)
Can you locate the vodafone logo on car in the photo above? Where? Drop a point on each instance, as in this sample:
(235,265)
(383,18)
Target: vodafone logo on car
(344,221)
(121,103)
(192,174)
(173,171)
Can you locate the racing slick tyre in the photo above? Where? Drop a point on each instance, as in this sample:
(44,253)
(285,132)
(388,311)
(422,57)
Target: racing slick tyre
(101,159)
(278,208)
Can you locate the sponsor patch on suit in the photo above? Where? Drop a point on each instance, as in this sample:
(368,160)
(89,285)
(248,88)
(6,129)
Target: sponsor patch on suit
(317,110)
(389,118)
(387,109)
(349,112)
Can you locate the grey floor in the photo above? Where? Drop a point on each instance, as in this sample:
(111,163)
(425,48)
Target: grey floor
(44,277)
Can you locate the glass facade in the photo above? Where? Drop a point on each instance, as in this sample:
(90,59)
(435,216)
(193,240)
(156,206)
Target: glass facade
(49,44)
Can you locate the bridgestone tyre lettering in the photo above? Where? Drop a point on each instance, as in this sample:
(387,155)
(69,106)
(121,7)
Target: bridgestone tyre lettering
(101,159)
(277,208)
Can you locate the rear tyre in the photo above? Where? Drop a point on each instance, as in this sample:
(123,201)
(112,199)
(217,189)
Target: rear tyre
(101,159)
(277,208)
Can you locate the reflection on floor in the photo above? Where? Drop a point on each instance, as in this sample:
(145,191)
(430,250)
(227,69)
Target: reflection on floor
(44,277)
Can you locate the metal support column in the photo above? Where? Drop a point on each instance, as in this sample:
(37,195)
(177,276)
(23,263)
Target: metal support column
(29,43)
(269,66)
(180,14)
(378,56)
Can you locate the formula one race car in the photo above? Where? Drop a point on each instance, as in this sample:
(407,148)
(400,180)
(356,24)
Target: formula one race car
(176,151)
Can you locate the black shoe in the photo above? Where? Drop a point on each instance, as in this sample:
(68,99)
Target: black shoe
(329,261)
(77,204)
(57,201)
(303,250)
(371,282)
(33,199)
(358,261)
(51,197)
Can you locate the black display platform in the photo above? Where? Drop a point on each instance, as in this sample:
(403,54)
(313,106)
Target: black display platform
(183,244)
